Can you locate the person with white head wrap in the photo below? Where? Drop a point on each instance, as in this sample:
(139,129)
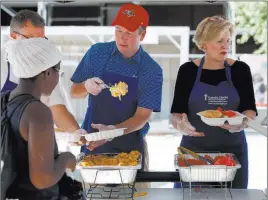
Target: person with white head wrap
(38,165)
(32,56)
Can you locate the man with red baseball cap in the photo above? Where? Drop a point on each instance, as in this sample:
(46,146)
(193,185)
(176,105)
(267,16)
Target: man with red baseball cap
(122,60)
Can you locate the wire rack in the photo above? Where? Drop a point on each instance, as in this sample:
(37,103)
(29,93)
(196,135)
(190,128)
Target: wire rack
(208,181)
(198,190)
(122,191)
(119,190)
(108,182)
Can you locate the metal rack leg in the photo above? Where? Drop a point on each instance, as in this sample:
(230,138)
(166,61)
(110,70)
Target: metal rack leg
(132,190)
(190,190)
(226,190)
(90,190)
(226,183)
(121,180)
(182,189)
(231,186)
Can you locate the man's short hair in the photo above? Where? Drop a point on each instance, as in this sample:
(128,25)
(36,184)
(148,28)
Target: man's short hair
(141,29)
(20,19)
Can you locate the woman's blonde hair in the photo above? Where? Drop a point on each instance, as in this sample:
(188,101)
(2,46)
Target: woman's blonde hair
(211,28)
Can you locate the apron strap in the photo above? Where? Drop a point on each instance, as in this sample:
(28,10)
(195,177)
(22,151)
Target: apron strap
(200,70)
(227,71)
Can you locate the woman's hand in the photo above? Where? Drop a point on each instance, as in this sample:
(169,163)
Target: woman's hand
(185,128)
(235,128)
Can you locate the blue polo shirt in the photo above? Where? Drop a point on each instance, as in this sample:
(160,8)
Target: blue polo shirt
(103,56)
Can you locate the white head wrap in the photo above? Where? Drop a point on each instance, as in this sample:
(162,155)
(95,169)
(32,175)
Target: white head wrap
(30,57)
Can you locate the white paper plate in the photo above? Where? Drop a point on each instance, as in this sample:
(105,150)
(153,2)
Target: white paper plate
(67,137)
(104,135)
(238,119)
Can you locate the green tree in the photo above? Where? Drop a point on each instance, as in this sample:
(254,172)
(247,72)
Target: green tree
(252,17)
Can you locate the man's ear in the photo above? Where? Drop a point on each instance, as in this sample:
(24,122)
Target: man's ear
(13,35)
(142,35)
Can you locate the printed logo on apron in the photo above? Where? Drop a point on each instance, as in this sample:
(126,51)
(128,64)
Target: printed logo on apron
(216,100)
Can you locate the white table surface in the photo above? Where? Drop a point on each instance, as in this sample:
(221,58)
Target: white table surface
(165,194)
(176,194)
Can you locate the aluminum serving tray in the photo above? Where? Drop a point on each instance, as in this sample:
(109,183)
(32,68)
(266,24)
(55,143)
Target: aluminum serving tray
(108,174)
(207,173)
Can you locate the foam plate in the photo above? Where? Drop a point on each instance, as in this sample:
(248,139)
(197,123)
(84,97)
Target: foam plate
(67,137)
(238,119)
(104,135)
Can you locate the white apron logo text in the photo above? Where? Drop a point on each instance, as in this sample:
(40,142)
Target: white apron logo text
(216,100)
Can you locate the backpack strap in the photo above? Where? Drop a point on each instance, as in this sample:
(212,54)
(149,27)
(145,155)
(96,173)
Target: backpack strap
(17,112)
(16,105)
(10,106)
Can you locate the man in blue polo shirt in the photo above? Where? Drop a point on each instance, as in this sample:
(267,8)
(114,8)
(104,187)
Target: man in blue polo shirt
(109,63)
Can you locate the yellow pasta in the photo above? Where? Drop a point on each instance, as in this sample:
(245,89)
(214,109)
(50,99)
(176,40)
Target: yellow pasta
(87,163)
(121,159)
(134,153)
(119,89)
(140,194)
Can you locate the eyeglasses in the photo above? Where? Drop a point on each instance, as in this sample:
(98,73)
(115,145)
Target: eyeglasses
(25,35)
(59,71)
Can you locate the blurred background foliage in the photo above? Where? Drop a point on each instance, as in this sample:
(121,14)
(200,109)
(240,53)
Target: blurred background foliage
(252,17)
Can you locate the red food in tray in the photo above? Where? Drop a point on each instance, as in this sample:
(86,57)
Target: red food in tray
(191,162)
(227,113)
(226,160)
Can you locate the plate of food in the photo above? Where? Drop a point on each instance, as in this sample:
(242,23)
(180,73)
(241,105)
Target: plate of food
(219,116)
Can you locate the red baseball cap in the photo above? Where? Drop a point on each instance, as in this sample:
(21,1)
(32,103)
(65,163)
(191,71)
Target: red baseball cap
(131,17)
